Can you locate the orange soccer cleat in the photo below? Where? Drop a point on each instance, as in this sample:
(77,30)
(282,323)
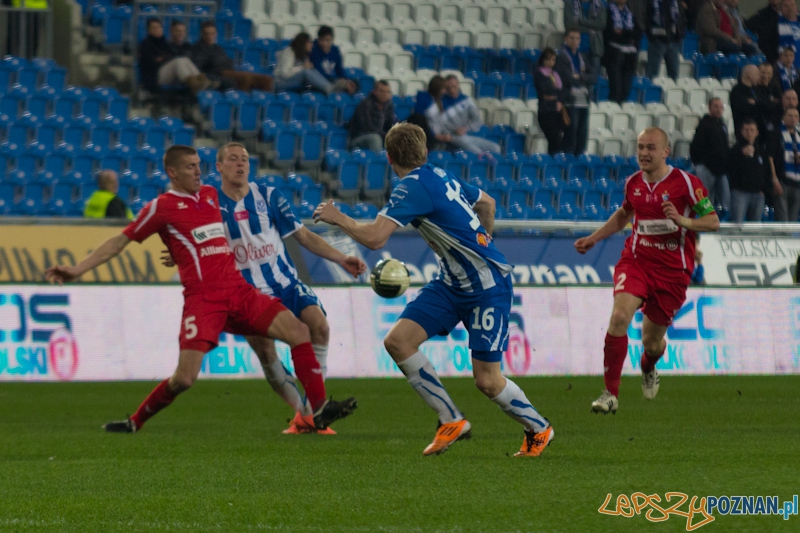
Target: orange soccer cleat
(300,424)
(447,434)
(535,443)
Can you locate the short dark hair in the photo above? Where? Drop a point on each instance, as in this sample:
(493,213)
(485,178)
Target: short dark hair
(208,24)
(573,29)
(710,100)
(546,53)
(324,31)
(154,20)
(177,22)
(383,82)
(748,121)
(175,153)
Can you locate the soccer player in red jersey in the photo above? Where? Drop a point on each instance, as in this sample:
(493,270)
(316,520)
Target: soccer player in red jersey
(216,296)
(667,206)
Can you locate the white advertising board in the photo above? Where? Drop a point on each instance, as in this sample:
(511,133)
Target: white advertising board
(749,261)
(87,333)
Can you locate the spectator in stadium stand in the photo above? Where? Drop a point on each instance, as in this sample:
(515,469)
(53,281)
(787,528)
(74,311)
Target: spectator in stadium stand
(789,28)
(373,118)
(178,44)
(788,100)
(327,59)
(709,150)
(216,296)
(104,202)
(159,67)
(294,71)
(456,219)
(749,175)
(622,39)
(787,168)
(657,263)
(578,76)
(741,28)
(769,87)
(718,31)
(552,95)
(213,61)
(666,26)
(250,227)
(460,117)
(765,25)
(427,114)
(589,17)
(787,72)
(747,102)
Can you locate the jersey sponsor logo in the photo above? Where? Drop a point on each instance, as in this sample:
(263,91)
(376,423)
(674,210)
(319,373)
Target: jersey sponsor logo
(672,245)
(245,254)
(241,215)
(214,250)
(207,232)
(656,227)
(483,239)
(649,244)
(182,205)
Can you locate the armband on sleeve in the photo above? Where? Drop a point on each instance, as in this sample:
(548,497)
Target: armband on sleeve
(703,207)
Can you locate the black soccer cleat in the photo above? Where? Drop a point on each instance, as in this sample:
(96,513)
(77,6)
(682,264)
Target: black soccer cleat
(332,411)
(120,426)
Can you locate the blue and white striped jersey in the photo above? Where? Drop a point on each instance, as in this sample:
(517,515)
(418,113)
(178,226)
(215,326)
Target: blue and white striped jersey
(439,205)
(255,228)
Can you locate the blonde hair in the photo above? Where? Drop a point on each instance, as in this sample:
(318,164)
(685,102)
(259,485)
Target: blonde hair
(406,145)
(223,151)
(661,133)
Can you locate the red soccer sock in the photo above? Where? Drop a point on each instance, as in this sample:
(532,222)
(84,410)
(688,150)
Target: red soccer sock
(158,399)
(649,361)
(615,352)
(309,373)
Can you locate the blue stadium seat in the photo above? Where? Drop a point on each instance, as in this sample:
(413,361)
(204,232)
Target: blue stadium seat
(349,178)
(615,200)
(312,145)
(544,197)
(248,119)
(285,154)
(376,179)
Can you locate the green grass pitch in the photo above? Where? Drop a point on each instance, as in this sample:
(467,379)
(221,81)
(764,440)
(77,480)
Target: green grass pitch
(216,459)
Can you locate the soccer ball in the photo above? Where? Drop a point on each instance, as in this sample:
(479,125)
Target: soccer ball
(389,278)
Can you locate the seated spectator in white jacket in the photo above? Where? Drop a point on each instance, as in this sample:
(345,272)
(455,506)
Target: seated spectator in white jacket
(461,116)
(294,71)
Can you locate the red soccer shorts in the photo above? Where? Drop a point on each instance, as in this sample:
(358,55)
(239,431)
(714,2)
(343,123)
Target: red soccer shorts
(241,310)
(662,297)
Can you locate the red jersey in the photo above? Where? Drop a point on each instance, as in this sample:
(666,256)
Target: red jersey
(191,227)
(656,239)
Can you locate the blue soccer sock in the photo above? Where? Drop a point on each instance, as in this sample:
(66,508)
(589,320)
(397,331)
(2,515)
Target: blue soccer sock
(514,403)
(423,378)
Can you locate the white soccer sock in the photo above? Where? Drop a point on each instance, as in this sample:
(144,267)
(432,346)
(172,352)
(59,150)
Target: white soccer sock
(515,404)
(321,351)
(283,383)
(423,378)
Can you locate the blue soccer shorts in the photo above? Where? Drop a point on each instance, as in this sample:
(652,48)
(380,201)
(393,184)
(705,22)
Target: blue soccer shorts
(297,296)
(439,308)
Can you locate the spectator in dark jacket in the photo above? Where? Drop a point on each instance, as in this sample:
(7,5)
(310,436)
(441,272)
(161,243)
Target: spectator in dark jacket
(719,31)
(159,66)
(589,17)
(765,25)
(749,174)
(213,61)
(666,26)
(327,59)
(372,118)
(747,102)
(552,96)
(622,38)
(178,44)
(579,77)
(709,150)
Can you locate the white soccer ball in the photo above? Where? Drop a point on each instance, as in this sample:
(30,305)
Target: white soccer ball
(389,278)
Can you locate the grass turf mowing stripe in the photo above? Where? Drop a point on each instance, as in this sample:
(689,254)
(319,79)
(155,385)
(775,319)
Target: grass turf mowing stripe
(216,459)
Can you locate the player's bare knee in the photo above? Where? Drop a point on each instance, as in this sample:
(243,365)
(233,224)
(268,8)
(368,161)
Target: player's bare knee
(320,332)
(181,382)
(620,320)
(395,345)
(653,344)
(489,385)
(298,334)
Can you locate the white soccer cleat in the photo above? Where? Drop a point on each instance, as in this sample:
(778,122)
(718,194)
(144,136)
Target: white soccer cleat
(650,383)
(606,403)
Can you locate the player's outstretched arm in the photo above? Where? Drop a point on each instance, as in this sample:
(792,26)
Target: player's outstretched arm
(373,235)
(615,223)
(108,250)
(485,209)
(319,246)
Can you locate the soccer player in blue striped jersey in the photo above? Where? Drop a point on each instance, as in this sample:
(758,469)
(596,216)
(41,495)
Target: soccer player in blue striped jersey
(256,219)
(473,287)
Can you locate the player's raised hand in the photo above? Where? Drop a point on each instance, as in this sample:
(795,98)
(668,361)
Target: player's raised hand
(166,259)
(326,212)
(353,265)
(584,244)
(60,274)
(671,212)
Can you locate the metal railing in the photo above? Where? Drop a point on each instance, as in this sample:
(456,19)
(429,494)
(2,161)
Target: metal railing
(29,31)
